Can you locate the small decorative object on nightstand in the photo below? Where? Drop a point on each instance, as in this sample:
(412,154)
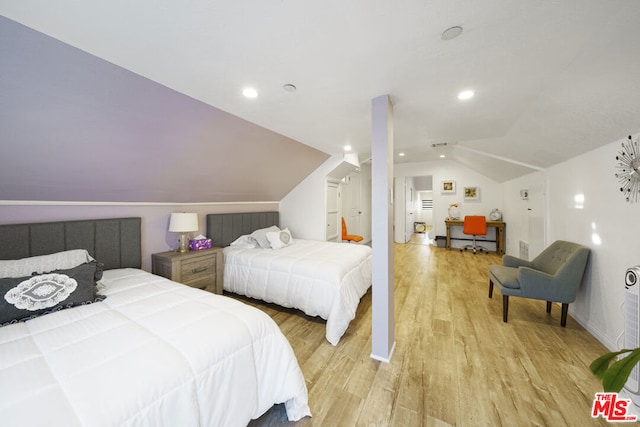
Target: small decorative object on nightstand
(199,269)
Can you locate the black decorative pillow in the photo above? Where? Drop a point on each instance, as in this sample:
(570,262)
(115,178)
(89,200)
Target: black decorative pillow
(25,298)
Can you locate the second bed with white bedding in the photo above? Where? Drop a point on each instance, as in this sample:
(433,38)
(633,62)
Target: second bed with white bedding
(320,278)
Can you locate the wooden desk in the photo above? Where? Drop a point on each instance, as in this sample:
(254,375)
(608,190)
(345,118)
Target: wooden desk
(499,226)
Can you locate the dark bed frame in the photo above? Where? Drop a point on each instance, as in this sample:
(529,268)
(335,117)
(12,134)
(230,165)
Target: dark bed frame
(115,242)
(223,229)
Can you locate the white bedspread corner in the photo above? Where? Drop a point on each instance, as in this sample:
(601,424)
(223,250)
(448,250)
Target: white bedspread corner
(325,279)
(154,352)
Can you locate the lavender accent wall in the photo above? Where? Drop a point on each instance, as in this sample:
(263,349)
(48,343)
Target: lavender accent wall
(74,127)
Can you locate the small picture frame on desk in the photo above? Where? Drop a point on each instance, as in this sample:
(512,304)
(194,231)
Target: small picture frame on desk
(448,186)
(471,193)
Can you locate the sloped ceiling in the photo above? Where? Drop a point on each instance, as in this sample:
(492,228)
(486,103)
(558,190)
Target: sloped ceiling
(553,79)
(77,128)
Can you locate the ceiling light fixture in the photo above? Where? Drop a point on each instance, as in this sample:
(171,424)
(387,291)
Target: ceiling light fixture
(289,87)
(466,94)
(249,92)
(442,156)
(401,154)
(451,33)
(347,148)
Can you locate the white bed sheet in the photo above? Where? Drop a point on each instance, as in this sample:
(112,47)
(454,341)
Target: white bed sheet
(323,279)
(154,353)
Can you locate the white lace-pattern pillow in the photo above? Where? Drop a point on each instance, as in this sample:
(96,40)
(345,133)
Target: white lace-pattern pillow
(280,239)
(44,263)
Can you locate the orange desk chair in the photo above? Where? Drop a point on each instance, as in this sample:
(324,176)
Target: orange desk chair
(475,225)
(350,237)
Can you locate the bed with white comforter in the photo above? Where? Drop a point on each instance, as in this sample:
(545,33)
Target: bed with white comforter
(320,278)
(153,353)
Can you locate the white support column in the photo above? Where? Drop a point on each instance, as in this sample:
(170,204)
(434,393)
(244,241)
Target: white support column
(383,322)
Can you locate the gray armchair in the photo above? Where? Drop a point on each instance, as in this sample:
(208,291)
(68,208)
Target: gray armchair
(553,276)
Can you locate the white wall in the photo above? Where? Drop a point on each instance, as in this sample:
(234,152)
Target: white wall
(525,219)
(604,222)
(304,209)
(490,190)
(424,183)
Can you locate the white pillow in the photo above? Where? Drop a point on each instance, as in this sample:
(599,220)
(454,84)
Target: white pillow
(245,241)
(44,263)
(280,239)
(261,236)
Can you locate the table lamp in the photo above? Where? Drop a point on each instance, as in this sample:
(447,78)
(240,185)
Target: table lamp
(183,223)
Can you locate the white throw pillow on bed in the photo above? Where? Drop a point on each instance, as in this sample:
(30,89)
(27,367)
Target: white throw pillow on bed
(261,236)
(280,239)
(245,241)
(44,263)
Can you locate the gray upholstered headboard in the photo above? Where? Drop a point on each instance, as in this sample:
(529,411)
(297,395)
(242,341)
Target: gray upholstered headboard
(115,242)
(223,229)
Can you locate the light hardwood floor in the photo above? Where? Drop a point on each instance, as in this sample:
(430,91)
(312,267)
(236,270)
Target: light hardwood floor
(455,363)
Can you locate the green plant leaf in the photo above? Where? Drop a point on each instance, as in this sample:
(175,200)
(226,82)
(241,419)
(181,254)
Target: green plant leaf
(616,376)
(601,364)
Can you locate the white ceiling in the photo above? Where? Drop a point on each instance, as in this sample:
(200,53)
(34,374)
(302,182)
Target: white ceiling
(553,79)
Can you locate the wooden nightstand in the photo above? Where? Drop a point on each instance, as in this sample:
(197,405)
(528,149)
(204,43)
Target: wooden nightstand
(200,269)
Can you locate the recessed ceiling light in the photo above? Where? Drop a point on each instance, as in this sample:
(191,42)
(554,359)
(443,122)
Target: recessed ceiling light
(401,154)
(451,33)
(347,148)
(249,92)
(289,87)
(442,156)
(466,94)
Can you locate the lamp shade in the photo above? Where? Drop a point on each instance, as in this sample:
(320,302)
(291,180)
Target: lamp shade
(183,222)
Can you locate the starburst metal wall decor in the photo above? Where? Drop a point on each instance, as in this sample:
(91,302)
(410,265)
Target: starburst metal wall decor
(628,168)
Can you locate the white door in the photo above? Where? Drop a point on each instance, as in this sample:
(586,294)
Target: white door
(333,212)
(365,201)
(399,211)
(410,202)
(351,203)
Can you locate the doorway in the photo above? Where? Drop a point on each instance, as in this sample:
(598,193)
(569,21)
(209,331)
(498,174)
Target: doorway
(333,210)
(351,202)
(413,209)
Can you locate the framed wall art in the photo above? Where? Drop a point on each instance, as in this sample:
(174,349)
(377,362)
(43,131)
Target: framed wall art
(471,193)
(448,186)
